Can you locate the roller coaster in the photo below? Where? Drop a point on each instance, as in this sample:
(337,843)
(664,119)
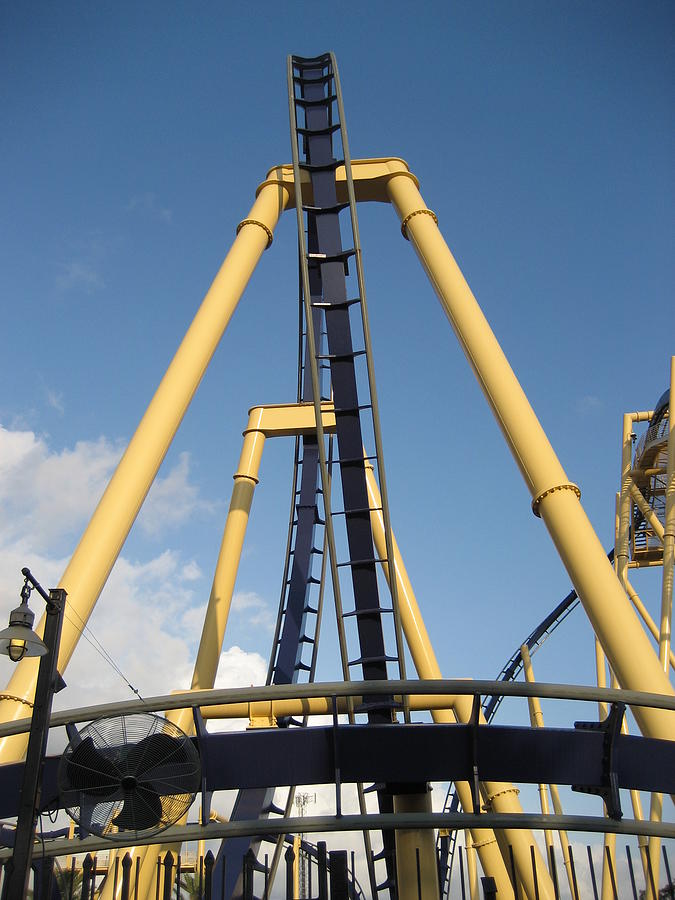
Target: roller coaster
(132,769)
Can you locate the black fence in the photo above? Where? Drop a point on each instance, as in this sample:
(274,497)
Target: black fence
(329,875)
(323,875)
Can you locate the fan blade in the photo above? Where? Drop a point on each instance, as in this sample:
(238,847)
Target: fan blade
(142,809)
(90,771)
(154,750)
(87,808)
(180,778)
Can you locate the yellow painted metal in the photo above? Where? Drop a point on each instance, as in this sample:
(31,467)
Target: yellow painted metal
(647,511)
(537,721)
(654,843)
(668,538)
(564,841)
(471,867)
(631,494)
(415,845)
(222,589)
(296,865)
(555,498)
(649,622)
(668,533)
(103,538)
(636,803)
(609,842)
(370,177)
(500,797)
(317,706)
(278,420)
(621,547)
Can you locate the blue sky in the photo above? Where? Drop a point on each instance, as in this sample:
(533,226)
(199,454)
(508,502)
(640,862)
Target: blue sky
(134,138)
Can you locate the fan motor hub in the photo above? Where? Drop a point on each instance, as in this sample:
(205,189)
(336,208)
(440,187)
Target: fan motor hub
(129,783)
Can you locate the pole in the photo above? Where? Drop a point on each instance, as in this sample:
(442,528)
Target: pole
(29,806)
(537,721)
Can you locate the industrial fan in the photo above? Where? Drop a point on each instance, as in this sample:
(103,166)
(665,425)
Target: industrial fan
(137,773)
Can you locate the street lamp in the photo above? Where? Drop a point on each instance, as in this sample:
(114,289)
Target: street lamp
(19,641)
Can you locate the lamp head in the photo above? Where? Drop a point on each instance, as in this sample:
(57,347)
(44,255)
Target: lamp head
(19,639)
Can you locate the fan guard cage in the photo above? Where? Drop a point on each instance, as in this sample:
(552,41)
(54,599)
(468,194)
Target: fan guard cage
(136,774)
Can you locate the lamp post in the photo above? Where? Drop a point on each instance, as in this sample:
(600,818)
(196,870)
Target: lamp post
(19,641)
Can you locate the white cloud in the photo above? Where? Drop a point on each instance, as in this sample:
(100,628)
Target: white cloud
(150,613)
(257,611)
(191,572)
(49,495)
(172,500)
(78,275)
(238,668)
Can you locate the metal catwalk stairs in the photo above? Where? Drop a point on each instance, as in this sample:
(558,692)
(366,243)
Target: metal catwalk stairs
(319,145)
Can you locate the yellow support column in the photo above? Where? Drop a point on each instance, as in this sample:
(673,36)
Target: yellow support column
(609,843)
(415,851)
(554,498)
(213,631)
(220,599)
(668,533)
(668,538)
(296,865)
(471,867)
(537,721)
(501,797)
(104,537)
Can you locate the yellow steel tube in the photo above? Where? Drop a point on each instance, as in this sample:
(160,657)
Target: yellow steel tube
(649,622)
(622,549)
(502,797)
(103,538)
(215,619)
(413,846)
(274,420)
(647,511)
(316,706)
(471,868)
(668,538)
(668,533)
(554,497)
(296,865)
(636,803)
(537,721)
(609,842)
(220,599)
(562,836)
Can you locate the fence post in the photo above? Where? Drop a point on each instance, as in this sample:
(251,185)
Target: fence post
(489,887)
(338,875)
(86,876)
(289,856)
(248,868)
(208,875)
(126,876)
(323,872)
(168,875)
